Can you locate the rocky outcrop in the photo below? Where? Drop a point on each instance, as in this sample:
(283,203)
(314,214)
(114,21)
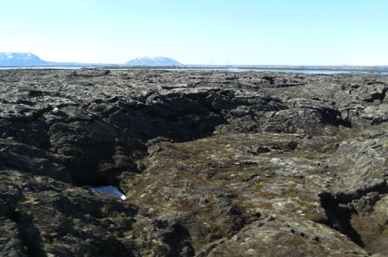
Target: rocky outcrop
(211,163)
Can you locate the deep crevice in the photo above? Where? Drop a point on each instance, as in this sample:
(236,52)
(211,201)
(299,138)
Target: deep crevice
(29,234)
(339,218)
(339,210)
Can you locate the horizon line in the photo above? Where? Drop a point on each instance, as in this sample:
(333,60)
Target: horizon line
(72,63)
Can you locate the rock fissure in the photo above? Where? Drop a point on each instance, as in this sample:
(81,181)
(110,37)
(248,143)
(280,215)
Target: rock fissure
(29,235)
(339,208)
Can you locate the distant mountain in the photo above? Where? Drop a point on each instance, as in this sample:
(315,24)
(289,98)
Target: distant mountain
(20,59)
(153,61)
(16,59)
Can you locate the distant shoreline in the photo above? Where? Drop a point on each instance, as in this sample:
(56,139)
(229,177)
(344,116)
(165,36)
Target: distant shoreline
(259,67)
(214,67)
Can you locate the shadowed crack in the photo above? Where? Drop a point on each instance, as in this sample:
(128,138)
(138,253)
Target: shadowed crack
(29,234)
(339,211)
(339,218)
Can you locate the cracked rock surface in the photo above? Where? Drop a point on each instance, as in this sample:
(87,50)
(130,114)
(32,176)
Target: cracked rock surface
(211,163)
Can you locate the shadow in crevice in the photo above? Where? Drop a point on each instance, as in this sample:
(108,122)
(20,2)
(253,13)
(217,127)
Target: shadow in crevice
(29,234)
(179,240)
(339,218)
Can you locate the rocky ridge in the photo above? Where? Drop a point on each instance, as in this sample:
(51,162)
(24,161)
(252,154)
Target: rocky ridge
(212,163)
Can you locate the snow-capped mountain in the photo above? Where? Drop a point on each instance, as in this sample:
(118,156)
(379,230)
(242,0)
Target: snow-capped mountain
(153,61)
(20,59)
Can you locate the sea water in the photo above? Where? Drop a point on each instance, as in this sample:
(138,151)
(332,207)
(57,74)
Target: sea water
(110,190)
(308,71)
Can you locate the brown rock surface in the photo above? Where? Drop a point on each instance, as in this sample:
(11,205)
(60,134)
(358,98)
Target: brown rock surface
(212,163)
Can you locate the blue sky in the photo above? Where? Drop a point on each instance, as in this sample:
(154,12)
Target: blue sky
(262,32)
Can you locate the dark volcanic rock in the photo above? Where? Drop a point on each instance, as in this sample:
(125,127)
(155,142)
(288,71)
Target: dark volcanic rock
(211,163)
